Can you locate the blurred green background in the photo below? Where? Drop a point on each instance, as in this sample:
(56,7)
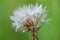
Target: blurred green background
(48,32)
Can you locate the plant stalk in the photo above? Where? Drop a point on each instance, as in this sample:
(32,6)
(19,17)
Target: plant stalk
(33,33)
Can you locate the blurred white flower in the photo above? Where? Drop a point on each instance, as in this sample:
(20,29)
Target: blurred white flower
(27,16)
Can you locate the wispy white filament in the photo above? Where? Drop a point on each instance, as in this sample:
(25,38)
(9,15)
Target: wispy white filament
(22,13)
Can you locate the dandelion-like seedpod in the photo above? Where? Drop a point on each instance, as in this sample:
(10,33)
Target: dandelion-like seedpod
(27,17)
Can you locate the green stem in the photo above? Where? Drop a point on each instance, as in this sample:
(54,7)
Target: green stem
(33,33)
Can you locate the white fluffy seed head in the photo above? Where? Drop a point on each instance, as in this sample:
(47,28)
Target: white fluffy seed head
(31,11)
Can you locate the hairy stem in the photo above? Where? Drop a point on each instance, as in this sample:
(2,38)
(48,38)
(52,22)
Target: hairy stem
(33,34)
